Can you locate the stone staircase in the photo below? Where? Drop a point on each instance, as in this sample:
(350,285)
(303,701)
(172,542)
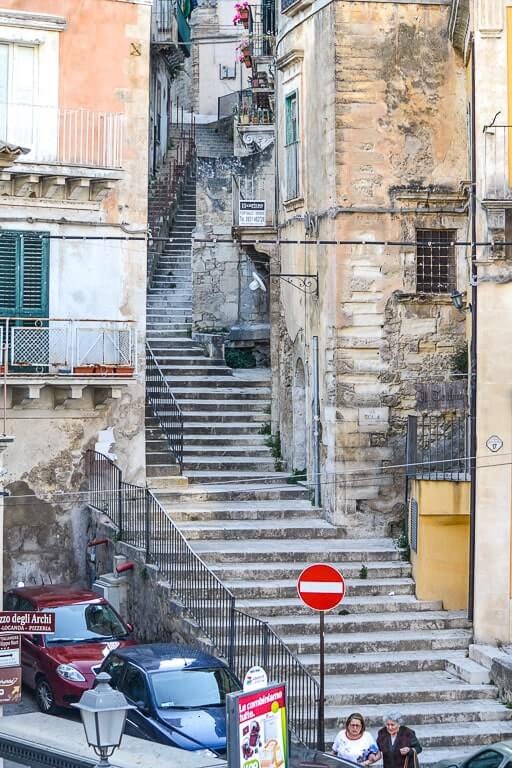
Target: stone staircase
(385,649)
(213,141)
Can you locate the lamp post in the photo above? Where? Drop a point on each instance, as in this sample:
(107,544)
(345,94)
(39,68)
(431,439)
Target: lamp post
(103,711)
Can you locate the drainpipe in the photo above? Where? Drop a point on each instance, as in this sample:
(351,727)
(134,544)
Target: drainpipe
(473,350)
(316,423)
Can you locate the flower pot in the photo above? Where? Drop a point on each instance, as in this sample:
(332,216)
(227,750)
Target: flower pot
(248,62)
(244,17)
(125,370)
(83,370)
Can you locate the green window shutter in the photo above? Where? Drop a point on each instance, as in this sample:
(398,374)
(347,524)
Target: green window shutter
(291,119)
(8,270)
(34,284)
(24,263)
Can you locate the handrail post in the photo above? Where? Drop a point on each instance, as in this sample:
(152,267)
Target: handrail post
(120,502)
(265,646)
(147,524)
(232,632)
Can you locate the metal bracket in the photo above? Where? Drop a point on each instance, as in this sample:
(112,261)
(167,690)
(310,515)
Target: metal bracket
(308,284)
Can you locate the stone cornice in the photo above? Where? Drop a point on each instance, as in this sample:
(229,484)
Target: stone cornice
(29,20)
(458,25)
(292,57)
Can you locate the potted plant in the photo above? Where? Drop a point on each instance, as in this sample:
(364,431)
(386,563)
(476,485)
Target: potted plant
(244,53)
(242,12)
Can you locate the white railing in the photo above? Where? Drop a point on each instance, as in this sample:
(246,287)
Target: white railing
(253,201)
(67,136)
(497,163)
(67,347)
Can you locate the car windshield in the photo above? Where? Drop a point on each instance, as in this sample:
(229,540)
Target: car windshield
(192,688)
(85,623)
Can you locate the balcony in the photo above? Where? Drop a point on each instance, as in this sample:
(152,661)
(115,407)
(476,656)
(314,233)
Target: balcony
(169,27)
(253,203)
(64,136)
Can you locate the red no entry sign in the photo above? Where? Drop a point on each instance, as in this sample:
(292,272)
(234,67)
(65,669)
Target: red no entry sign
(321,587)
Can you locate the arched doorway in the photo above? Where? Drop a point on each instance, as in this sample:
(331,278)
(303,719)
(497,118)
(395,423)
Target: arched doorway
(299,417)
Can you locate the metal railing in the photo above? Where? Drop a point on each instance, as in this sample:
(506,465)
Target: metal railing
(229,104)
(164,25)
(167,186)
(54,345)
(253,201)
(438,447)
(497,162)
(262,37)
(67,136)
(241,639)
(164,406)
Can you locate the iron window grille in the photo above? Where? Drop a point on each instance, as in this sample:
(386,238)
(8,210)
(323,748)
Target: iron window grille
(435,260)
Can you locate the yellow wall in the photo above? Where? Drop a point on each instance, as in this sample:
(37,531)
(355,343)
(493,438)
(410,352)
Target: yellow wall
(440,566)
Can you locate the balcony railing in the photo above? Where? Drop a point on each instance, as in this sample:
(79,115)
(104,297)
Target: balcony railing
(497,162)
(252,106)
(53,346)
(164,25)
(438,447)
(253,201)
(66,136)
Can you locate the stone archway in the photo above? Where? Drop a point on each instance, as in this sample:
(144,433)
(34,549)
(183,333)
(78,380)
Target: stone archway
(299,417)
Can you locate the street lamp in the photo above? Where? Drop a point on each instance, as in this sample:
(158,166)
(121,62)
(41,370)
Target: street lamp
(103,712)
(458,302)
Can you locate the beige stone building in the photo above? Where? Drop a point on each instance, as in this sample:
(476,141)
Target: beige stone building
(371,145)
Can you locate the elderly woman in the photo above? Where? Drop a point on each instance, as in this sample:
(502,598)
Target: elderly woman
(397,743)
(354,742)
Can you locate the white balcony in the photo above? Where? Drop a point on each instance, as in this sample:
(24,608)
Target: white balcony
(51,346)
(52,135)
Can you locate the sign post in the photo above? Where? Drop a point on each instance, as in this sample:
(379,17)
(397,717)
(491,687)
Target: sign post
(321,587)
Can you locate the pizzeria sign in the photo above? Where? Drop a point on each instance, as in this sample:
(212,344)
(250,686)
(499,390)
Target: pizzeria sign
(27,622)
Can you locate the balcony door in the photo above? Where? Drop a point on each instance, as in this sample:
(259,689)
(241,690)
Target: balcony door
(17,91)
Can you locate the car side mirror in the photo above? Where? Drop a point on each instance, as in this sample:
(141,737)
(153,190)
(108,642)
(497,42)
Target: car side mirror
(143,707)
(129,627)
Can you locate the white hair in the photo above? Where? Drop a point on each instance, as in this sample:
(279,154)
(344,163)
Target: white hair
(395,716)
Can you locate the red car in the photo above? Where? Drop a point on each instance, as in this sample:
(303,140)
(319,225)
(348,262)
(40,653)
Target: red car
(61,666)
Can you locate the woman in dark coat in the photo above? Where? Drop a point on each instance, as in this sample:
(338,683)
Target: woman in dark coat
(397,743)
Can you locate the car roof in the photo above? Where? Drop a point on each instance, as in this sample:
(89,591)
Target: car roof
(54,595)
(153,656)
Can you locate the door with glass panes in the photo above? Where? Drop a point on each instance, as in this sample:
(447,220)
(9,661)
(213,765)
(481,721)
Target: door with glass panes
(24,262)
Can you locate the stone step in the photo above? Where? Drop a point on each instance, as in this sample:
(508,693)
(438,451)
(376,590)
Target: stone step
(225,441)
(216,429)
(228,417)
(302,550)
(212,407)
(420,615)
(287,588)
(192,452)
(230,492)
(266,529)
(275,511)
(379,663)
(288,607)
(203,372)
(171,344)
(424,713)
(214,380)
(155,469)
(260,465)
(381,642)
(220,395)
(279,570)
(400,688)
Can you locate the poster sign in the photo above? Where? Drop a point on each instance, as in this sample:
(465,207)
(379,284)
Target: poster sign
(257,729)
(9,651)
(27,622)
(251,213)
(255,679)
(10,685)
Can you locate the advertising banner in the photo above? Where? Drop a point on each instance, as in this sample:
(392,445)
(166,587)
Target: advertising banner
(10,650)
(257,729)
(251,213)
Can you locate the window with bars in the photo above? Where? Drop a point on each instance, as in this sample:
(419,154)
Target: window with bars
(435,260)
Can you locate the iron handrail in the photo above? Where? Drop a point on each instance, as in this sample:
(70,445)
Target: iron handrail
(242,639)
(164,405)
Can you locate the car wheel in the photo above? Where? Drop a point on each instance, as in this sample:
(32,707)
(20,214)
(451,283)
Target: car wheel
(45,698)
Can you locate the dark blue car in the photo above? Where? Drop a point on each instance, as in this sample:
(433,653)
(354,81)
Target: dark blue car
(179,692)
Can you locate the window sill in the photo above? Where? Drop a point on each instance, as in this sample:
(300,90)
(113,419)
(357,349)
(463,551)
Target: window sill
(424,298)
(293,203)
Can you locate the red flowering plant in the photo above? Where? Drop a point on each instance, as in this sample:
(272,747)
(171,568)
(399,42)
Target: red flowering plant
(243,50)
(241,13)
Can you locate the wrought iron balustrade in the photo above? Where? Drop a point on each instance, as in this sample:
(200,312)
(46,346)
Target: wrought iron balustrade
(66,136)
(438,447)
(243,640)
(164,405)
(164,25)
(59,346)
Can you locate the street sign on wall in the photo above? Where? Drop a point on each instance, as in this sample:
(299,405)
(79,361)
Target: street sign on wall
(321,587)
(27,622)
(9,650)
